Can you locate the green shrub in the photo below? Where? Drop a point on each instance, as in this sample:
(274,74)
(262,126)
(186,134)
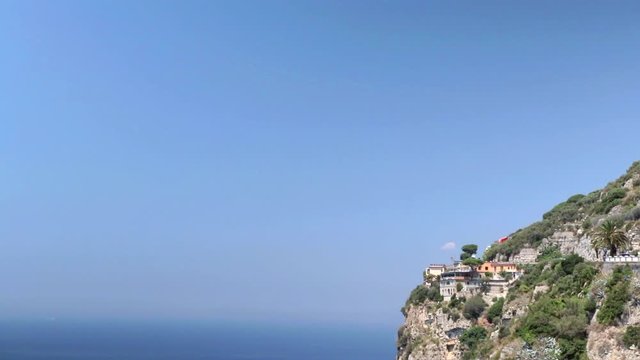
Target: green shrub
(576,198)
(506,275)
(494,314)
(612,198)
(571,276)
(504,331)
(570,262)
(538,321)
(631,336)
(560,318)
(455,301)
(549,252)
(403,337)
(422,293)
(583,275)
(563,212)
(590,306)
(616,193)
(617,295)
(633,214)
(474,307)
(604,207)
(471,337)
(531,277)
(418,295)
(589,199)
(613,306)
(560,314)
(572,348)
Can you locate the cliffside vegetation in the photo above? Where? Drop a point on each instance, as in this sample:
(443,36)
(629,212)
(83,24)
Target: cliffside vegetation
(420,294)
(558,304)
(562,310)
(579,211)
(617,295)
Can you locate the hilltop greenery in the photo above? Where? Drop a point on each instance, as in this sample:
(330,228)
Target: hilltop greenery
(577,211)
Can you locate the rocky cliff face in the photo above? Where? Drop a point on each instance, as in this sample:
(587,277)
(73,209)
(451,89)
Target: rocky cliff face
(433,329)
(605,342)
(428,333)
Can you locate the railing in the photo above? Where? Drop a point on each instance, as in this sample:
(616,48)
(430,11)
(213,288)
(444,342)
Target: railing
(622,259)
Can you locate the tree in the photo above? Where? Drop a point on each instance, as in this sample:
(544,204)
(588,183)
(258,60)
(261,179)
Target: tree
(471,249)
(609,236)
(468,251)
(473,262)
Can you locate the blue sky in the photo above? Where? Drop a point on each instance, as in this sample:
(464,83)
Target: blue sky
(291,160)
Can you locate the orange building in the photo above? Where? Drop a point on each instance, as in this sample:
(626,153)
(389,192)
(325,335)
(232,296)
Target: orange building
(497,267)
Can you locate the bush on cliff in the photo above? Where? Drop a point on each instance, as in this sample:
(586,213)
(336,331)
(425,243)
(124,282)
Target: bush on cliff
(610,200)
(563,318)
(631,336)
(617,295)
(495,311)
(474,307)
(471,337)
(421,294)
(563,312)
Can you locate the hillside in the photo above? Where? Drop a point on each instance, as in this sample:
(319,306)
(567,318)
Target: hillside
(565,287)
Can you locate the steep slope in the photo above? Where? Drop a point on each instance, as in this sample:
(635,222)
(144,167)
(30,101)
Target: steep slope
(570,303)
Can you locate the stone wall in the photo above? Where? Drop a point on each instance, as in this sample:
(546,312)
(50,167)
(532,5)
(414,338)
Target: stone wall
(525,256)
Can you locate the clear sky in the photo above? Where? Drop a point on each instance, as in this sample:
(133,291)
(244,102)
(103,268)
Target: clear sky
(291,160)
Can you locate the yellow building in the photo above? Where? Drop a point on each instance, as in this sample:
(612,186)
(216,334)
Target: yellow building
(435,269)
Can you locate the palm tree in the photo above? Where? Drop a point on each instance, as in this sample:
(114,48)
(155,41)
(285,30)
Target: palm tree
(609,236)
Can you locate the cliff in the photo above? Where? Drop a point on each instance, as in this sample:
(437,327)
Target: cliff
(575,295)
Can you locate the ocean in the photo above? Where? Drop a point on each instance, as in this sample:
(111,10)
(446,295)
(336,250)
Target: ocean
(55,340)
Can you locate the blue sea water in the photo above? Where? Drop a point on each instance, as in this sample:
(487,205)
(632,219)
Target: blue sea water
(100,340)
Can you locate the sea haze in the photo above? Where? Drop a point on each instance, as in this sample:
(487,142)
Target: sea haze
(108,340)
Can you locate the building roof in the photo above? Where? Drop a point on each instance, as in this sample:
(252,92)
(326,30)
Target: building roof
(499,263)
